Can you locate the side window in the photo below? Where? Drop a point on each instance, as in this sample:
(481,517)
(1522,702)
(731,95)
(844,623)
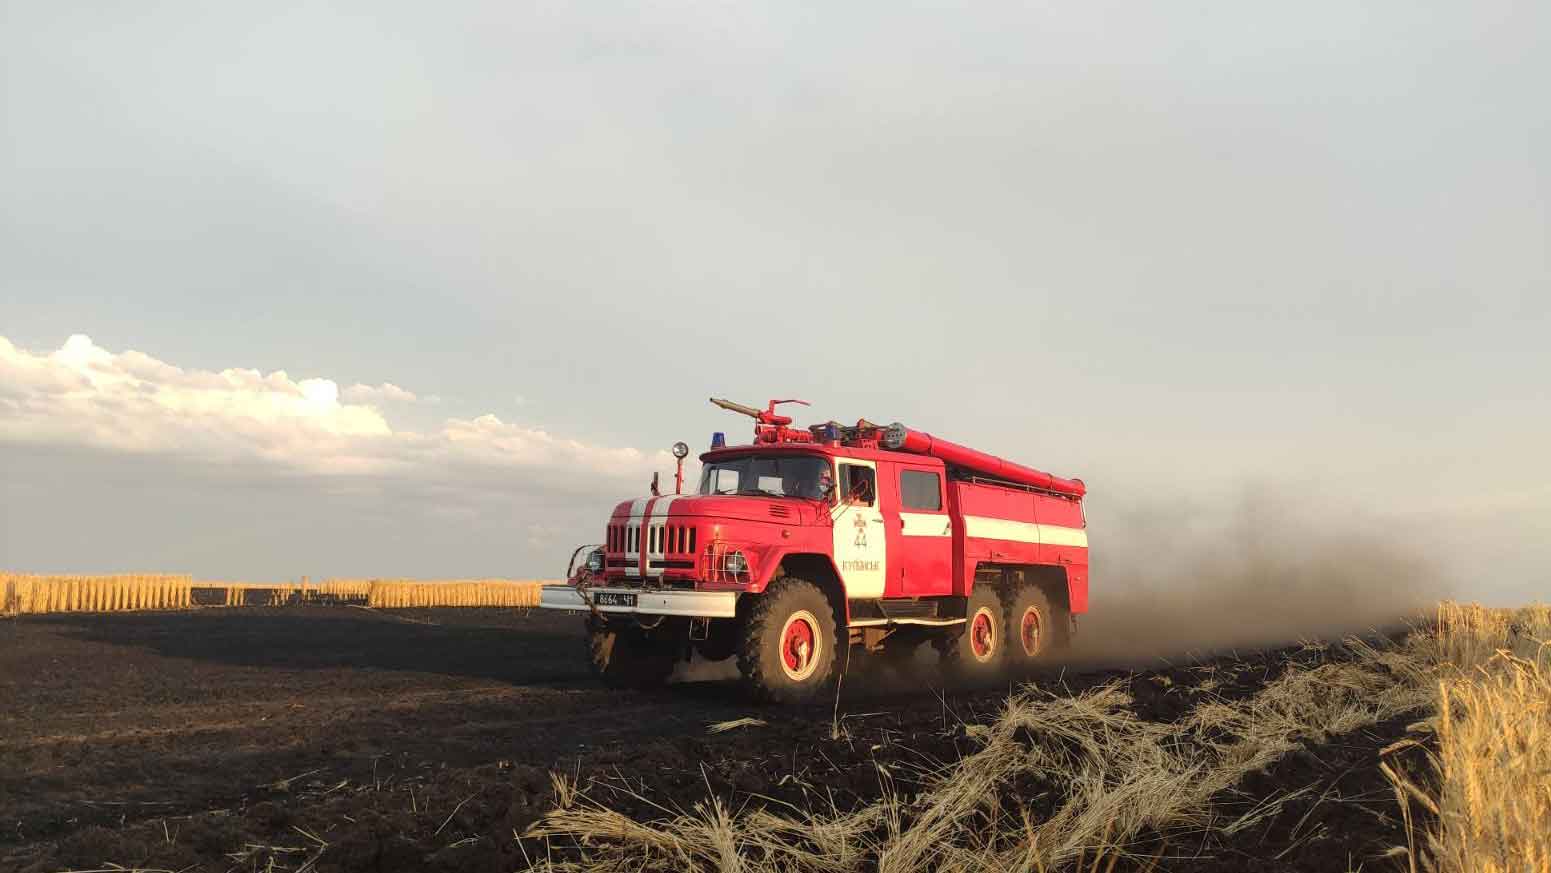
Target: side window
(857,484)
(919,490)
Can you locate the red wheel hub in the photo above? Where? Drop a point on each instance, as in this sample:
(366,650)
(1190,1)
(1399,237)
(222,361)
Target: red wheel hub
(1029,630)
(797,646)
(982,635)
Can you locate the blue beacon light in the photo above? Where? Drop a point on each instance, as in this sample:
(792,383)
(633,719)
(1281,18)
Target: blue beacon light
(718,439)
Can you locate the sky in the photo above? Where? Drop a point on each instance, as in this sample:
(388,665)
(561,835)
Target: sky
(405,289)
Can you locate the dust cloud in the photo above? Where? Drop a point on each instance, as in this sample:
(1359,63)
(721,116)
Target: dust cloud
(1180,582)
(1169,583)
(698,669)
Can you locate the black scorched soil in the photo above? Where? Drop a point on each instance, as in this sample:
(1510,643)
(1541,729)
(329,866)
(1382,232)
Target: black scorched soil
(219,740)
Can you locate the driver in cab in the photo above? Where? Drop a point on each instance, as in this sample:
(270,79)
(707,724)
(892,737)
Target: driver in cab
(812,489)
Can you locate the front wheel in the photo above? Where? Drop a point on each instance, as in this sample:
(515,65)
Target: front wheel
(788,646)
(624,655)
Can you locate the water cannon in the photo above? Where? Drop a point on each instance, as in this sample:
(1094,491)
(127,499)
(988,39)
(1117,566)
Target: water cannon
(767,415)
(769,425)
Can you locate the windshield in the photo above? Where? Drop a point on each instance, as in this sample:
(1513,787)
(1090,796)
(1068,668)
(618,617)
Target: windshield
(770,475)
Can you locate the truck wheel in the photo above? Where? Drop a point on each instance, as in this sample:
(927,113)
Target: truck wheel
(788,647)
(721,641)
(975,653)
(624,656)
(1033,631)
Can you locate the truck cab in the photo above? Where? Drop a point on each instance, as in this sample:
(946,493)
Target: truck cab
(807,541)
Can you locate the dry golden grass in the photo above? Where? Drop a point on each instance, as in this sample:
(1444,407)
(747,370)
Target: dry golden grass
(29,593)
(1489,788)
(1494,738)
(251,593)
(1114,777)
(1469,635)
(36,593)
(345,589)
(403,593)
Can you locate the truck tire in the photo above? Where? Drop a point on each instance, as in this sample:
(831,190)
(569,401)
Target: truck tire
(787,653)
(721,641)
(975,653)
(625,656)
(1034,629)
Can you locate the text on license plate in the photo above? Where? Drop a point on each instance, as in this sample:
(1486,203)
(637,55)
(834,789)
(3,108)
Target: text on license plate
(613,598)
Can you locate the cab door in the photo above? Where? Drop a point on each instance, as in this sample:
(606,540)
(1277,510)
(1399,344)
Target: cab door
(860,542)
(925,556)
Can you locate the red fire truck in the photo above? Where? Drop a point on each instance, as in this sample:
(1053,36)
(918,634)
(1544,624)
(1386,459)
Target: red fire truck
(810,540)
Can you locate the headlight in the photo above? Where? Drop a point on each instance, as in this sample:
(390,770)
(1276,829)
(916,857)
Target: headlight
(735,563)
(595,561)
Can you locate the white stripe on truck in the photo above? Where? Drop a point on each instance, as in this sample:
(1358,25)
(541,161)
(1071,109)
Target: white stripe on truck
(982,527)
(633,533)
(653,535)
(925,524)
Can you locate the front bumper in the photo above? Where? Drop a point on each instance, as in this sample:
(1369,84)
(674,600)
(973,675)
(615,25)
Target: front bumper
(689,604)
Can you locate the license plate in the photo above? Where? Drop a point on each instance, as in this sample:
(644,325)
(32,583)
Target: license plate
(613,598)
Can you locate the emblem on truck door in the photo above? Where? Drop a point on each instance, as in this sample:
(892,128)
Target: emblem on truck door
(861,532)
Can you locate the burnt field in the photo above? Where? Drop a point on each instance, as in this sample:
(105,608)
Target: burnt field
(332,738)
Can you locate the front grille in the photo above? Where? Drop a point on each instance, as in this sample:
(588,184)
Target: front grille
(668,548)
(623,538)
(670,539)
(681,540)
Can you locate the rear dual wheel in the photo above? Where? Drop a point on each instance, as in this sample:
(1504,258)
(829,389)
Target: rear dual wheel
(1031,625)
(1016,627)
(975,653)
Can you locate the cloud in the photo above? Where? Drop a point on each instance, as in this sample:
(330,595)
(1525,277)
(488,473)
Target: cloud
(387,392)
(85,396)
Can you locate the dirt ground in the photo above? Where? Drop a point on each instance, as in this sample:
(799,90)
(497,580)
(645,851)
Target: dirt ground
(354,740)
